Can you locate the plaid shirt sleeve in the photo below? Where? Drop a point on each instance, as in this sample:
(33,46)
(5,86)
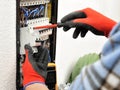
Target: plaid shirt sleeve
(105,73)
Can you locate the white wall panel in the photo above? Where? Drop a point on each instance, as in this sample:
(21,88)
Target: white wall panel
(7,45)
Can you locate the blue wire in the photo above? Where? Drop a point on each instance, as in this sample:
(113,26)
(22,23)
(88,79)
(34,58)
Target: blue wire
(26,14)
(41,9)
(34,12)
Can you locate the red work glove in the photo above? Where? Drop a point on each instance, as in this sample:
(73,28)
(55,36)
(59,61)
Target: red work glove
(87,19)
(35,66)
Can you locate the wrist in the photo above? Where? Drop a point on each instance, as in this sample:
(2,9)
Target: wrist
(34,77)
(110,27)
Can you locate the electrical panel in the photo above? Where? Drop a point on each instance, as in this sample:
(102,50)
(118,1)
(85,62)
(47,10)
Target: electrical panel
(30,14)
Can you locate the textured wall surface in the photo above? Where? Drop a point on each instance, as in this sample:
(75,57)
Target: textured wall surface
(7,44)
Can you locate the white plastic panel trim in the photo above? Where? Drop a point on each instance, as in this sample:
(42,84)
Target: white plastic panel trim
(33,2)
(46,32)
(38,21)
(28,35)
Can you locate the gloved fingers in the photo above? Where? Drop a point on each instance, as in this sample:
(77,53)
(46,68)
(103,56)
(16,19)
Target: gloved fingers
(64,25)
(76,33)
(79,24)
(91,28)
(42,61)
(83,32)
(84,23)
(43,54)
(79,30)
(67,25)
(28,56)
(46,57)
(28,48)
(65,28)
(73,15)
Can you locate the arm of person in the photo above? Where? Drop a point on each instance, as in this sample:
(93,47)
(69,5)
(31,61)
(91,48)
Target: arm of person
(103,74)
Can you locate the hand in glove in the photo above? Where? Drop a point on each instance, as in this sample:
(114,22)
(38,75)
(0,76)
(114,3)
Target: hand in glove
(35,66)
(87,19)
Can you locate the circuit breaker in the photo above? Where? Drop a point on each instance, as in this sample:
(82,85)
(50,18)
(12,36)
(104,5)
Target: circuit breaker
(30,14)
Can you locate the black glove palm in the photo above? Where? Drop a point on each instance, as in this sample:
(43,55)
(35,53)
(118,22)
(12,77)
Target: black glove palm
(39,60)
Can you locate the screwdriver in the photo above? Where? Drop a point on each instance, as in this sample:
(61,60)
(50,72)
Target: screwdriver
(49,26)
